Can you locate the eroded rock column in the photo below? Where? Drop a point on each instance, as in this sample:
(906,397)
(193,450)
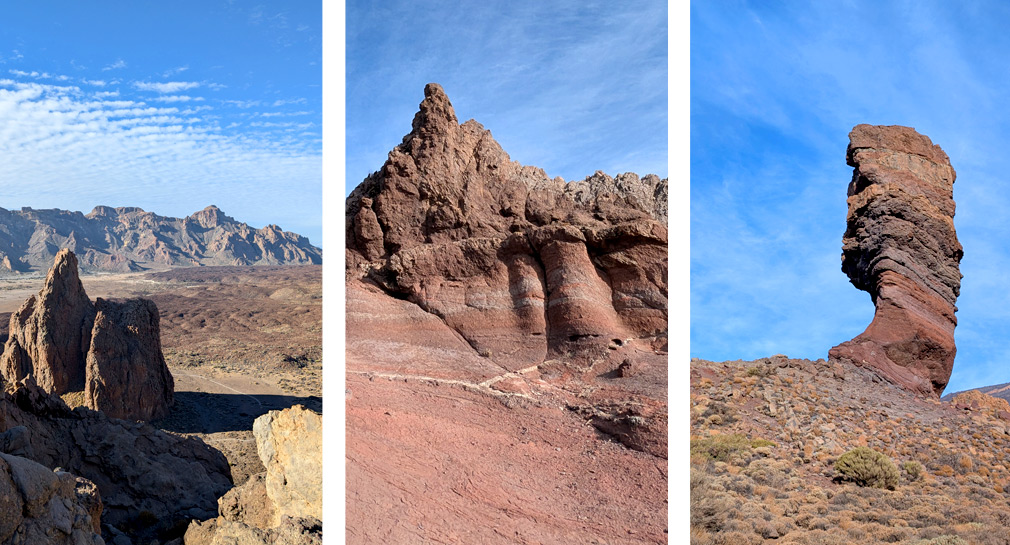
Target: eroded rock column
(901,247)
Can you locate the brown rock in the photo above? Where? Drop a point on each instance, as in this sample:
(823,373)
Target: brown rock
(517,264)
(248,504)
(901,247)
(127,376)
(46,508)
(58,340)
(51,331)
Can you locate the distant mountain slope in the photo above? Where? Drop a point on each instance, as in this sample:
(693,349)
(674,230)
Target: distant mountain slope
(131,239)
(1001,391)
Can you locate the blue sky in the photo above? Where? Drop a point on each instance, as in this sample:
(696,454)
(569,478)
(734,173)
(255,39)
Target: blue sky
(775,90)
(571,87)
(170,106)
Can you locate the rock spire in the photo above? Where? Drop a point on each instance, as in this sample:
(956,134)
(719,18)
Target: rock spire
(111,350)
(901,247)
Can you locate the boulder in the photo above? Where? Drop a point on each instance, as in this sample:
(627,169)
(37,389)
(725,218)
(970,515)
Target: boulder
(137,468)
(282,506)
(901,247)
(39,506)
(289,444)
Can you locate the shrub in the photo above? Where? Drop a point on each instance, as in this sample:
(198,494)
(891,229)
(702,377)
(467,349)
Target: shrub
(913,470)
(943,540)
(724,446)
(867,467)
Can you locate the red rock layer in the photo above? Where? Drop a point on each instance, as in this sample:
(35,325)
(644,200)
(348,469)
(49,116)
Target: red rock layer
(901,247)
(520,265)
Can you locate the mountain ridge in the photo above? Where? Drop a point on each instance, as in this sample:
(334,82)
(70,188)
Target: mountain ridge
(129,239)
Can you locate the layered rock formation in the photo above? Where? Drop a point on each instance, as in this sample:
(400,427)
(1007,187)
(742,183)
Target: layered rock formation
(519,265)
(901,247)
(111,350)
(282,505)
(129,239)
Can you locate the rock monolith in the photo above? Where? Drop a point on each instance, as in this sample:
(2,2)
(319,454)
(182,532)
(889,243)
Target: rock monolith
(901,247)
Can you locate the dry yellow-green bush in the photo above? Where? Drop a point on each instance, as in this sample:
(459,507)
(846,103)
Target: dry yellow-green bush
(913,470)
(867,467)
(722,447)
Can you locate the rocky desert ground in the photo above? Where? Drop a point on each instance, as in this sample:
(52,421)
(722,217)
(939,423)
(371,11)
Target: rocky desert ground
(239,341)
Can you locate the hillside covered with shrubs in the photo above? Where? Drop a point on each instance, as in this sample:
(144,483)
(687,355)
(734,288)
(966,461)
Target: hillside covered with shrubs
(815,452)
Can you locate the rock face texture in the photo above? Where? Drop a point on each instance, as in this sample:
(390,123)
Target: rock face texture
(519,265)
(44,507)
(135,466)
(901,247)
(126,373)
(51,331)
(282,506)
(128,239)
(111,350)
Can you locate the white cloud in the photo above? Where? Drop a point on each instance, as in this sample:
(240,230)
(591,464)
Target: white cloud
(174,71)
(285,114)
(120,63)
(165,87)
(243,103)
(95,82)
(178,98)
(282,102)
(123,152)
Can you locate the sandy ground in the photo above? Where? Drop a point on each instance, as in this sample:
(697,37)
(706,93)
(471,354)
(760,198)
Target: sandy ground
(239,341)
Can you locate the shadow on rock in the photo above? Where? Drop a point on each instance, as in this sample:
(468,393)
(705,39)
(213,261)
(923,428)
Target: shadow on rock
(202,412)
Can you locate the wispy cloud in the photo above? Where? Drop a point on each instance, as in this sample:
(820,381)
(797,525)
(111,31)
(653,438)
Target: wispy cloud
(120,63)
(284,102)
(245,104)
(52,135)
(95,82)
(165,87)
(178,98)
(174,71)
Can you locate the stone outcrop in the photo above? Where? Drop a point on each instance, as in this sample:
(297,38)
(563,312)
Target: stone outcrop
(128,239)
(127,376)
(137,468)
(282,506)
(901,247)
(51,331)
(518,264)
(41,507)
(111,350)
